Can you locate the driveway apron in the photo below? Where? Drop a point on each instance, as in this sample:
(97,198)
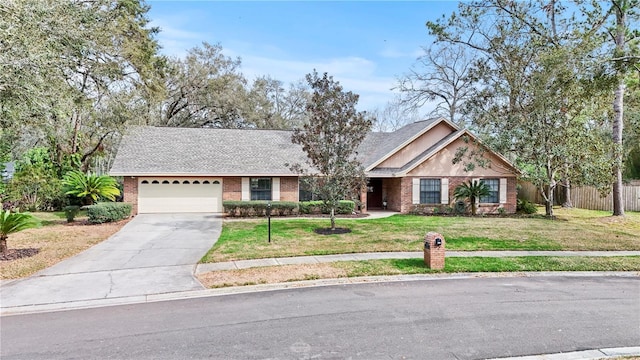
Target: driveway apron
(152,254)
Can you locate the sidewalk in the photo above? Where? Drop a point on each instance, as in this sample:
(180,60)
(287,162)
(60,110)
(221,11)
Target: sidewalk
(245,264)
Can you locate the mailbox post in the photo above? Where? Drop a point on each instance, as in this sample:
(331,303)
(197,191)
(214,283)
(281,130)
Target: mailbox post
(434,251)
(269,220)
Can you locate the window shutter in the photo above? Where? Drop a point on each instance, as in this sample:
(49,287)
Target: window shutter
(444,190)
(503,191)
(246,190)
(415,193)
(275,189)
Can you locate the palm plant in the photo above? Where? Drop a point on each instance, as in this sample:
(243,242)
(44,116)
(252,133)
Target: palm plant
(13,222)
(472,191)
(90,187)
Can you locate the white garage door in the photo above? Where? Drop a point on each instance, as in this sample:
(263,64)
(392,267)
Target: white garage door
(179,195)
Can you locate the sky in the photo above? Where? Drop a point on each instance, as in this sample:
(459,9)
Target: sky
(365,45)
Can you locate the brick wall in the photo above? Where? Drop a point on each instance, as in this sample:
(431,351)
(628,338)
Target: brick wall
(392,191)
(408,206)
(232,189)
(130,193)
(289,189)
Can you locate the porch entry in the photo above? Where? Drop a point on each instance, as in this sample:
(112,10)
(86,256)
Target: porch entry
(374,194)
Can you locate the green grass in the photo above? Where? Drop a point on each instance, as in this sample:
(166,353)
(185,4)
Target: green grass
(286,273)
(56,217)
(572,230)
(483,264)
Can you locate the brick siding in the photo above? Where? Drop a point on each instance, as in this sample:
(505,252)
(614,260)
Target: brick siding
(289,189)
(130,193)
(231,189)
(407,189)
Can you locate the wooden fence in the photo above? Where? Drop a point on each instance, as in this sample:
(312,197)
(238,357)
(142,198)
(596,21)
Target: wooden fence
(585,197)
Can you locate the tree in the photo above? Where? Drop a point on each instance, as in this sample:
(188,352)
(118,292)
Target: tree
(624,58)
(205,89)
(334,131)
(395,114)
(442,74)
(534,100)
(89,188)
(70,68)
(12,223)
(471,191)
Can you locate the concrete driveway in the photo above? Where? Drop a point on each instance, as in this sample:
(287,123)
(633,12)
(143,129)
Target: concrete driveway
(152,254)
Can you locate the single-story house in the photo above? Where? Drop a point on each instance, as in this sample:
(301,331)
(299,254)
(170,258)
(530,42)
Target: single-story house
(195,169)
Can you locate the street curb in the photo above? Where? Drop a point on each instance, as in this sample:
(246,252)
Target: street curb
(141,299)
(609,353)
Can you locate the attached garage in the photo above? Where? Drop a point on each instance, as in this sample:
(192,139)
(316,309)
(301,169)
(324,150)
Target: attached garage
(179,195)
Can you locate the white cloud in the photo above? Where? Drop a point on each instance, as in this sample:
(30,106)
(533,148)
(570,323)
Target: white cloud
(356,74)
(394,53)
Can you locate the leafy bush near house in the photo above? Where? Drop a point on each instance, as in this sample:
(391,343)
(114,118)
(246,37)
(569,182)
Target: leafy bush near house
(259,208)
(526,207)
(108,212)
(317,207)
(71,211)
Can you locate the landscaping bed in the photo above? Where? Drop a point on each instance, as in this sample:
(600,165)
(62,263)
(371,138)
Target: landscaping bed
(55,241)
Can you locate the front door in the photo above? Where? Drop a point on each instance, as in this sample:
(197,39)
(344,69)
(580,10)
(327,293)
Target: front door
(374,194)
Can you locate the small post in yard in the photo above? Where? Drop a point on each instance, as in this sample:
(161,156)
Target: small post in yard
(434,251)
(269,220)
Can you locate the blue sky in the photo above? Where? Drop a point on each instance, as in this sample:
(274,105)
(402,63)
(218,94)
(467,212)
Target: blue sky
(364,45)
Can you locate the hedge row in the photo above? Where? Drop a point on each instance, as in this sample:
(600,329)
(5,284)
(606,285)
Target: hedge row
(259,208)
(282,208)
(108,212)
(317,207)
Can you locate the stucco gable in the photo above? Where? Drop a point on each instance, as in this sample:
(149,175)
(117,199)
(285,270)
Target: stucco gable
(440,163)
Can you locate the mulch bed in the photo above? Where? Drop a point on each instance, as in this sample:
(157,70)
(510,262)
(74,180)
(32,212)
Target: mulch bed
(14,254)
(329,231)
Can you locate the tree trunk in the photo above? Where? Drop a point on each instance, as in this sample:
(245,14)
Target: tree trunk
(3,245)
(618,110)
(548,203)
(473,206)
(333,218)
(567,194)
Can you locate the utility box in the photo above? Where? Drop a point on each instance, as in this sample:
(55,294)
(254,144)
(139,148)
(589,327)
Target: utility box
(434,250)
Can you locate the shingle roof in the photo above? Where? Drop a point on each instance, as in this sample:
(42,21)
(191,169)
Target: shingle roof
(200,151)
(149,150)
(378,145)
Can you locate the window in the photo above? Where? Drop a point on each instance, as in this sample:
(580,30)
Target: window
(494,191)
(260,188)
(429,191)
(165,182)
(196,182)
(304,190)
(176,182)
(144,182)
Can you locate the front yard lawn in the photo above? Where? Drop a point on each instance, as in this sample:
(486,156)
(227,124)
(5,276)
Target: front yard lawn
(573,229)
(55,241)
(285,273)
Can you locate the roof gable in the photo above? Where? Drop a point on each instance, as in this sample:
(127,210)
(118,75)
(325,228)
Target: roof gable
(394,142)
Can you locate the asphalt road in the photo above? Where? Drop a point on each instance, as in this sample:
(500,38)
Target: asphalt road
(440,319)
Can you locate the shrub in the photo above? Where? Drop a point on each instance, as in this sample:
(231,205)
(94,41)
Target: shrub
(108,212)
(259,208)
(90,187)
(526,207)
(71,211)
(317,207)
